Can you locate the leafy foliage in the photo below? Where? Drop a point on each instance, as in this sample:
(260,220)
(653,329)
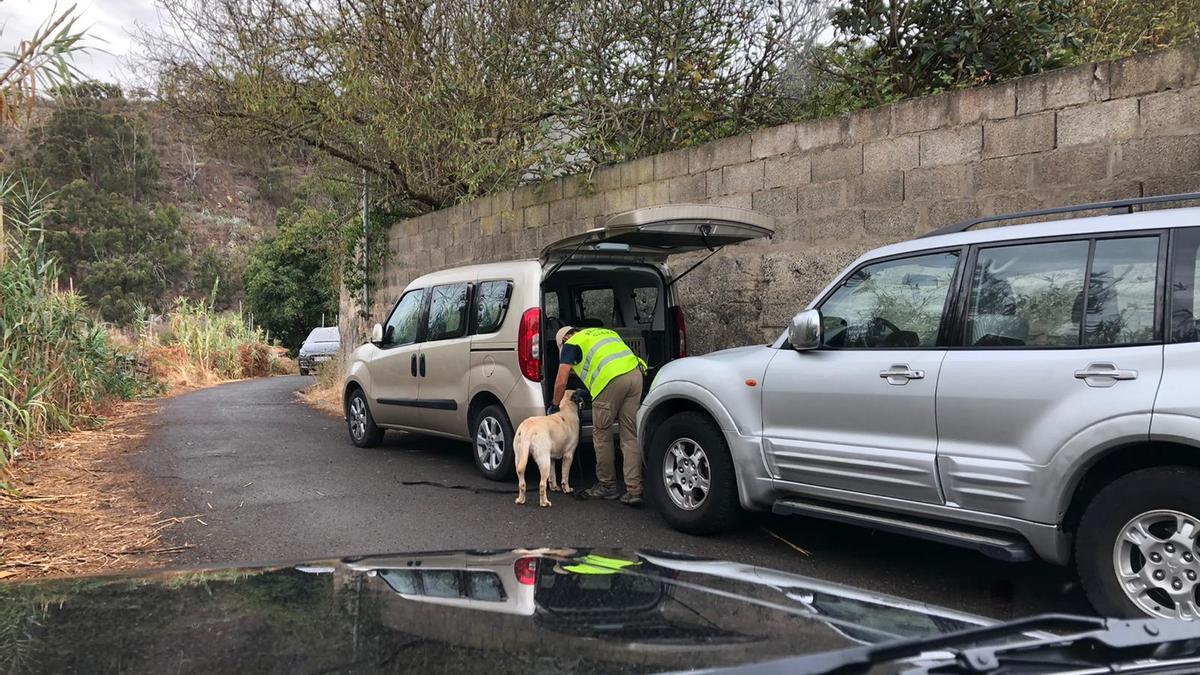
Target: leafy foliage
(44,61)
(289,281)
(119,253)
(219,275)
(886,50)
(1112,29)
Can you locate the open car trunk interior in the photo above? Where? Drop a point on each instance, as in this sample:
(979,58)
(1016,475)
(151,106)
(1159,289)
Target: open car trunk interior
(630,299)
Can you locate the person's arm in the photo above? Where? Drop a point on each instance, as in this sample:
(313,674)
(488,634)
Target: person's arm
(560,383)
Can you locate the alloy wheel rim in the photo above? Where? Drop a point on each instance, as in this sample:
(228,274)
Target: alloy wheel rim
(1157,563)
(489,443)
(358,418)
(687,474)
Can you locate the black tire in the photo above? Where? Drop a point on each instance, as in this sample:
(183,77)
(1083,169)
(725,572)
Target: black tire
(720,510)
(506,468)
(370,435)
(1174,488)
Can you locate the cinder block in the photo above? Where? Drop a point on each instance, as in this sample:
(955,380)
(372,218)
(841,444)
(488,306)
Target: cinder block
(589,205)
(869,125)
(1171,185)
(841,225)
(920,114)
(511,221)
(575,185)
(1062,88)
(773,141)
(1098,123)
(524,196)
(562,210)
(935,183)
(480,207)
(739,200)
(1066,166)
(820,133)
(1171,113)
(894,224)
(1085,194)
(1003,174)
(821,197)
(951,146)
(787,170)
(700,158)
(653,194)
(619,201)
(1019,135)
(999,101)
(671,164)
(689,189)
(1158,156)
(547,191)
(732,150)
(607,178)
(742,178)
(880,187)
(713,183)
(892,154)
(1155,71)
(837,163)
(502,201)
(777,202)
(637,172)
(949,212)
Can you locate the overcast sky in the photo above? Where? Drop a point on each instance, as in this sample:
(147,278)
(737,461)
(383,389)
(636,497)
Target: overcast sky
(110,23)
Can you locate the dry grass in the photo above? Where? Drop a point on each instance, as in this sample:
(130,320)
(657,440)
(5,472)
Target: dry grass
(326,394)
(78,508)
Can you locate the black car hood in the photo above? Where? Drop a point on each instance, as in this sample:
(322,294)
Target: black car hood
(498,612)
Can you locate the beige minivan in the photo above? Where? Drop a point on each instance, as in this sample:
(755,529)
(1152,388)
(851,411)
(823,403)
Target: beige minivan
(469,352)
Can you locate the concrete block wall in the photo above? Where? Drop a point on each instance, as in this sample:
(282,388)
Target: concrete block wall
(840,186)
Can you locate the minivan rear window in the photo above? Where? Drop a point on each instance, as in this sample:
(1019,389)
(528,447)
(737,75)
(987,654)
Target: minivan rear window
(491,304)
(447,312)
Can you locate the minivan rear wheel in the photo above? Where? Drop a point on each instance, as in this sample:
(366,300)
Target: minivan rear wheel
(691,475)
(492,442)
(1138,545)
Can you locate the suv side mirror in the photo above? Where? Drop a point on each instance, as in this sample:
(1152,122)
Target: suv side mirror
(377,334)
(804,332)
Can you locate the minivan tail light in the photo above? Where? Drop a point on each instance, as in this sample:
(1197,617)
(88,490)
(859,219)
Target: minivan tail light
(681,325)
(529,341)
(525,570)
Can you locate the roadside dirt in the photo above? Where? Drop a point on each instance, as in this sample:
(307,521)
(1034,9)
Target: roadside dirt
(77,506)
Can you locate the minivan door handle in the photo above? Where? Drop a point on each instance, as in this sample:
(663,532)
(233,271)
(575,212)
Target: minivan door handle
(900,374)
(1104,374)
(422,365)
(412,365)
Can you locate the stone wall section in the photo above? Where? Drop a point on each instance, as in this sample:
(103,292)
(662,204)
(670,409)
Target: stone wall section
(840,186)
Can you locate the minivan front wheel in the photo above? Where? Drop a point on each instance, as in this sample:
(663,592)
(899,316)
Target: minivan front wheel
(363,431)
(1138,550)
(492,440)
(691,475)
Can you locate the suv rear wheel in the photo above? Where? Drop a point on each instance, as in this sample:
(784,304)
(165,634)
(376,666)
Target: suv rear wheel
(1137,547)
(492,442)
(691,475)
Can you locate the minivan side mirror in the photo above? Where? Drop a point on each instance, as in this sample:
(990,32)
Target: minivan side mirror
(377,334)
(804,332)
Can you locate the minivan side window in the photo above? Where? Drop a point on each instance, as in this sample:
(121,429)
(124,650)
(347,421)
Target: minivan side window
(894,304)
(491,304)
(1185,279)
(402,326)
(448,311)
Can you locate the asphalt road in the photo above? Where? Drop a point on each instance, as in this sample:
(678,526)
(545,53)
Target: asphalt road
(273,480)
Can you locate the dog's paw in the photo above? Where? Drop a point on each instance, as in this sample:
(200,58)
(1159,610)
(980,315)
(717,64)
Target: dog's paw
(553,487)
(566,489)
(520,499)
(545,503)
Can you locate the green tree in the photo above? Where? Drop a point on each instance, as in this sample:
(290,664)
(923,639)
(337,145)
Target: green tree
(218,277)
(1113,29)
(118,253)
(89,138)
(886,50)
(289,278)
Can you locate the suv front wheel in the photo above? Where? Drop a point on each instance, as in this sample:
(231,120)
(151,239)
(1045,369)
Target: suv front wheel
(690,473)
(1137,547)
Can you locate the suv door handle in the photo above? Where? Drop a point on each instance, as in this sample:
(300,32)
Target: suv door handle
(1104,374)
(412,365)
(900,374)
(422,365)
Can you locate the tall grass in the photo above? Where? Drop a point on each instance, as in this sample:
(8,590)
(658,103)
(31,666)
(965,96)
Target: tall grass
(197,345)
(57,363)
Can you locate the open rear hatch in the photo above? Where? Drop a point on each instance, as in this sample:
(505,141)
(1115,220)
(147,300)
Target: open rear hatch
(651,234)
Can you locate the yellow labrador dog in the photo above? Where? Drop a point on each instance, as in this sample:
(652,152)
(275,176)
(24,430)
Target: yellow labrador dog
(547,439)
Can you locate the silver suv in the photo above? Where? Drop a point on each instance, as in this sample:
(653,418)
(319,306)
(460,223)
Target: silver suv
(1030,390)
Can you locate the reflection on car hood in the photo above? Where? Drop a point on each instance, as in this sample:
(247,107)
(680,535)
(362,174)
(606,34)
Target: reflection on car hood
(466,611)
(319,348)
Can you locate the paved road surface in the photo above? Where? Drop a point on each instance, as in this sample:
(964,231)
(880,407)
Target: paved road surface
(277,481)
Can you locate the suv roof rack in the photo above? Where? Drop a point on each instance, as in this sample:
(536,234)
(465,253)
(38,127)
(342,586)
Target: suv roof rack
(1116,206)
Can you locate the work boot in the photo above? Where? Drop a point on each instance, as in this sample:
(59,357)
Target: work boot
(630,499)
(601,491)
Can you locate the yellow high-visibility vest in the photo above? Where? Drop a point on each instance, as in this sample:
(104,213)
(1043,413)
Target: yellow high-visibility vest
(605,356)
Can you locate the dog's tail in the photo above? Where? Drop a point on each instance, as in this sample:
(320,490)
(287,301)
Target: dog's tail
(521,442)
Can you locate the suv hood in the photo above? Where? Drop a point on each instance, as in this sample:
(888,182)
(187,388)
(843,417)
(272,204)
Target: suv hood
(461,611)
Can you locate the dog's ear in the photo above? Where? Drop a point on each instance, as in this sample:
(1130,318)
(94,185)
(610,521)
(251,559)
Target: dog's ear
(577,396)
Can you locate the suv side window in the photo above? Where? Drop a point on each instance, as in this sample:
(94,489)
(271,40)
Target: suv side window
(1122,287)
(447,311)
(1028,295)
(402,326)
(491,304)
(1185,279)
(894,304)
